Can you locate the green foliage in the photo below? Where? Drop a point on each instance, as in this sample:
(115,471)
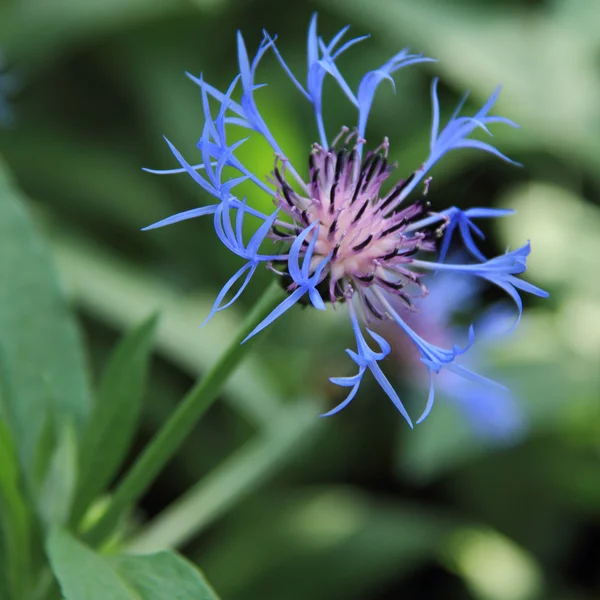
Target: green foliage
(114,419)
(85,575)
(41,360)
(15,522)
(271,501)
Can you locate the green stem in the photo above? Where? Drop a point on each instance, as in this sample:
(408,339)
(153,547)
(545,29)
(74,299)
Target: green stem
(169,438)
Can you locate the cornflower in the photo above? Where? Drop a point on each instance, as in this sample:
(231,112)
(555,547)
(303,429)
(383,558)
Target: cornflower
(491,412)
(346,242)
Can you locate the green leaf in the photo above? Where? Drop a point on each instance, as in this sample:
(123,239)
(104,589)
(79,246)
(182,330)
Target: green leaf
(42,369)
(15,520)
(57,490)
(164,575)
(85,575)
(116,414)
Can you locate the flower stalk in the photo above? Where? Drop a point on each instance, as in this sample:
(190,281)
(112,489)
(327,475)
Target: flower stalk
(167,441)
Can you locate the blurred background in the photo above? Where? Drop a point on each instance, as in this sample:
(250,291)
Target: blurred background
(269,500)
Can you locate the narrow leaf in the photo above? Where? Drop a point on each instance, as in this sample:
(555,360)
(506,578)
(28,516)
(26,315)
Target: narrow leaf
(58,488)
(14,519)
(115,415)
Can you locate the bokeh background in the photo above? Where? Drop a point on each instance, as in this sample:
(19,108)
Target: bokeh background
(269,500)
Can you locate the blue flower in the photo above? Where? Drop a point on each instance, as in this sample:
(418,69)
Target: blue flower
(462,220)
(304,281)
(345,241)
(234,242)
(500,271)
(366,358)
(492,413)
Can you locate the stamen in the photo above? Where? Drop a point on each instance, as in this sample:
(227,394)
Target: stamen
(396,286)
(361,212)
(400,187)
(340,164)
(373,168)
(393,228)
(332,228)
(357,188)
(340,135)
(363,244)
(372,308)
(389,255)
(332,198)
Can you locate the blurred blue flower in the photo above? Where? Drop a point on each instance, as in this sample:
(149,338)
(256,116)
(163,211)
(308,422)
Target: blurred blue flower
(345,238)
(492,411)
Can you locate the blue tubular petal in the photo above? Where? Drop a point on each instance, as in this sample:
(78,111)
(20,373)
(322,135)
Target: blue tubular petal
(205,185)
(370,82)
(500,271)
(455,134)
(435,110)
(472,376)
(386,386)
(327,63)
(435,358)
(294,267)
(257,239)
(462,219)
(449,231)
(216,307)
(277,312)
(489,212)
(286,68)
(345,382)
(312,46)
(182,216)
(430,400)
(315,299)
(219,96)
(305,282)
(347,45)
(225,105)
(478,145)
(251,112)
(367,358)
(175,171)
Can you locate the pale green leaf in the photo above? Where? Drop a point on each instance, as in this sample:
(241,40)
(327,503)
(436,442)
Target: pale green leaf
(42,370)
(85,575)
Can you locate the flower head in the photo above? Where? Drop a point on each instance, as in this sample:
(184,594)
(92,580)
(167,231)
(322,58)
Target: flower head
(343,239)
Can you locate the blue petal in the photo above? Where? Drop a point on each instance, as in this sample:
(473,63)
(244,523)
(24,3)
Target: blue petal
(277,312)
(430,399)
(341,381)
(225,289)
(182,216)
